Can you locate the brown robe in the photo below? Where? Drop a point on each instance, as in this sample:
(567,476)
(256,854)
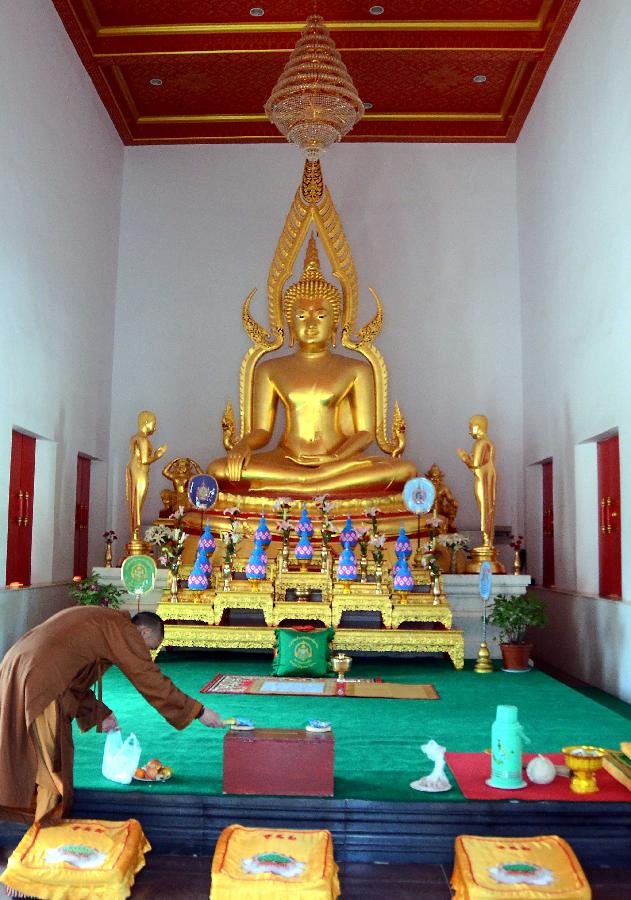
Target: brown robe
(60,660)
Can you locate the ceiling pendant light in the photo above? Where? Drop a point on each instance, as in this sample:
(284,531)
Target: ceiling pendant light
(314,102)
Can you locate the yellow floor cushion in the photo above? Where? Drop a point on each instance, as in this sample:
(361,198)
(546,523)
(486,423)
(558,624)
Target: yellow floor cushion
(272,864)
(531,868)
(78,859)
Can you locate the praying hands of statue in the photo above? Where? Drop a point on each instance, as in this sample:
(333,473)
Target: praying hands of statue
(466,458)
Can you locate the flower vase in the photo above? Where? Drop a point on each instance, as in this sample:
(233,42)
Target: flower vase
(378,579)
(436,589)
(324,558)
(517,563)
(108,555)
(453,563)
(173,584)
(363,569)
(227,574)
(285,555)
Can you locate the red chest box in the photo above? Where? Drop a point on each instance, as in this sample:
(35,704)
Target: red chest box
(285,761)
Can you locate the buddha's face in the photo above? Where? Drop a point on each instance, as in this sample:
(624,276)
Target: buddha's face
(312,323)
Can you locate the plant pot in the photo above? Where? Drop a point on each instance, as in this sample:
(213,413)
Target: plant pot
(515,657)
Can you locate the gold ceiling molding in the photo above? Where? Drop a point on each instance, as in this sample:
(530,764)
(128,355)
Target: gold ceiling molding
(376,117)
(286,27)
(245,51)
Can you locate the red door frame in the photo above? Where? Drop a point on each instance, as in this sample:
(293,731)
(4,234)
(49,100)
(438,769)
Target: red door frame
(609,544)
(547,492)
(82,516)
(20,524)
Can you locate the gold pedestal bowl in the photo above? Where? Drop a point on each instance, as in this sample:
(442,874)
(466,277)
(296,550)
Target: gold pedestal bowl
(583,762)
(341,664)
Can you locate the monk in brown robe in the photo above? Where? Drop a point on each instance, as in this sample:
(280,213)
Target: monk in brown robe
(46,681)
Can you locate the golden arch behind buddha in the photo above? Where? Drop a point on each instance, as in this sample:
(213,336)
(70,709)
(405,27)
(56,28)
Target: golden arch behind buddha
(334,405)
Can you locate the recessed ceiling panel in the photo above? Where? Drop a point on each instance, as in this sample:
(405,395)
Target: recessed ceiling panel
(432,70)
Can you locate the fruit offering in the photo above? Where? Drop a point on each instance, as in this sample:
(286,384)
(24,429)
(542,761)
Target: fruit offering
(153,771)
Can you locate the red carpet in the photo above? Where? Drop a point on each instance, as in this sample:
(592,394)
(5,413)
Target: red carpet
(472,769)
(318,687)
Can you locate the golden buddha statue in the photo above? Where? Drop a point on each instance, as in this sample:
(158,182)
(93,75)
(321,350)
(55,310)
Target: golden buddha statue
(141,457)
(179,471)
(329,408)
(481,461)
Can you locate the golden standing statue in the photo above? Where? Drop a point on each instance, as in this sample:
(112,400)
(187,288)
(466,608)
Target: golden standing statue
(141,456)
(329,406)
(481,461)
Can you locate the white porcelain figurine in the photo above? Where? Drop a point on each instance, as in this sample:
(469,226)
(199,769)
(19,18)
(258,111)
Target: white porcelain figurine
(436,780)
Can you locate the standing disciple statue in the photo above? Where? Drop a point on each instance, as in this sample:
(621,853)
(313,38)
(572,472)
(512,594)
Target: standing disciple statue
(141,456)
(329,406)
(481,461)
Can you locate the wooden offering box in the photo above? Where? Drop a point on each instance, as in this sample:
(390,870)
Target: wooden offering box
(279,761)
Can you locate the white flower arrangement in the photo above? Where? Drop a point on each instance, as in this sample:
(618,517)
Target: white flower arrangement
(169,541)
(454,541)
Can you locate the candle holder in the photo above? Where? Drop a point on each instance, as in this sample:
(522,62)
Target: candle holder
(583,762)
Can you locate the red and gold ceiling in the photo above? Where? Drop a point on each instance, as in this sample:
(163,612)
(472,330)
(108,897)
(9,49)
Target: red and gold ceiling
(201,70)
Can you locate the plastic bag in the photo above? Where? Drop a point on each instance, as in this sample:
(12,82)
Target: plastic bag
(120,757)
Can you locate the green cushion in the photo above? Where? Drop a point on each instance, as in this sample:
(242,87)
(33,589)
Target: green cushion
(302,653)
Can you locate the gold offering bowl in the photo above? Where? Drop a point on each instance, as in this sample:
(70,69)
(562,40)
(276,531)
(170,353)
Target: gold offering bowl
(341,664)
(583,762)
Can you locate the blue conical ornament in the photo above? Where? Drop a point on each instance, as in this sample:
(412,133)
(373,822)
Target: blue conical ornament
(348,534)
(207,541)
(304,550)
(255,568)
(397,565)
(403,580)
(403,544)
(347,564)
(262,533)
(198,579)
(305,525)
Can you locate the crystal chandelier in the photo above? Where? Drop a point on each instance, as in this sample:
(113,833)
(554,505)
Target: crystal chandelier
(314,103)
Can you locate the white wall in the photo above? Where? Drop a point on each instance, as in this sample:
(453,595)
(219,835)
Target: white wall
(574,184)
(60,183)
(432,228)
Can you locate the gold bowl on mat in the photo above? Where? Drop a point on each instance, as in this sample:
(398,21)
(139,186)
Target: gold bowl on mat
(341,664)
(583,762)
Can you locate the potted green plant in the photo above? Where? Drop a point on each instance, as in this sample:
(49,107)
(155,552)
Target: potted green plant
(91,592)
(513,615)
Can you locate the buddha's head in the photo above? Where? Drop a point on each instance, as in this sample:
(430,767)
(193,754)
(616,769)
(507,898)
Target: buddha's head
(478,426)
(312,305)
(146,422)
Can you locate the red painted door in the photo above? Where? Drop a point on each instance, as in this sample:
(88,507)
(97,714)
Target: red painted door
(20,531)
(82,513)
(548,524)
(609,547)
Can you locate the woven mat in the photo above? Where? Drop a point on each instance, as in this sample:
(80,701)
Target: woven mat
(472,769)
(317,687)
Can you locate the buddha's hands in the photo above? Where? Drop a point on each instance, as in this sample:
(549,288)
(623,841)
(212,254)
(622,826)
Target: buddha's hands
(237,458)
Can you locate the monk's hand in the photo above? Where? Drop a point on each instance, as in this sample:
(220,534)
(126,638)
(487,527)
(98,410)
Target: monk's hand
(210,719)
(110,723)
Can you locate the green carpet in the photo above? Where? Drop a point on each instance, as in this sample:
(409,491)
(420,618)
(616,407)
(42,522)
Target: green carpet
(377,742)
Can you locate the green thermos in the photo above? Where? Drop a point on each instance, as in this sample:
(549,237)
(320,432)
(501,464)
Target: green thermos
(506,746)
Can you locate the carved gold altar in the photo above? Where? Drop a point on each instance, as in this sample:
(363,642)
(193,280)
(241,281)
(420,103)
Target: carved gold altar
(324,602)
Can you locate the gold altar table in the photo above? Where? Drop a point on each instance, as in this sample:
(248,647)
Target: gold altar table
(421,608)
(307,610)
(364,600)
(377,640)
(186,595)
(188,612)
(303,583)
(242,596)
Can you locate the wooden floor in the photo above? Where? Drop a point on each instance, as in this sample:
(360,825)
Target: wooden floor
(188,878)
